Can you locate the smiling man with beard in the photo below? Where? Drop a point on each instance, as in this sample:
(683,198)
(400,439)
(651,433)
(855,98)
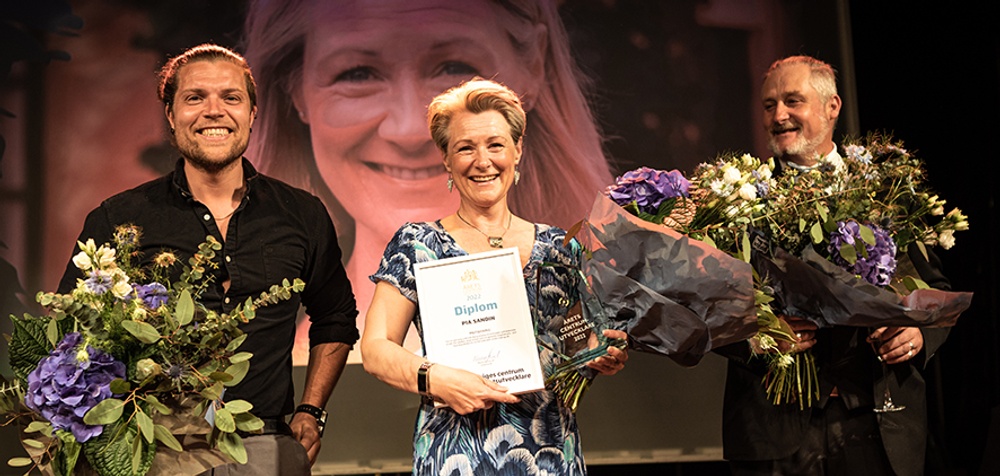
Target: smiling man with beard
(841,434)
(801,107)
(269,231)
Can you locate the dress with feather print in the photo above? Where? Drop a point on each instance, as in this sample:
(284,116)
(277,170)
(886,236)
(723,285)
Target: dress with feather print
(538,435)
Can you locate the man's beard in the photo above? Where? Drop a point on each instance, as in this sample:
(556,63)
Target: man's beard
(200,160)
(802,146)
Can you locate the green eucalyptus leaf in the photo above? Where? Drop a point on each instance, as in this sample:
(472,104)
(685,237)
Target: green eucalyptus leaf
(861,249)
(146,333)
(816,232)
(19,462)
(184,312)
(108,411)
(120,386)
(240,357)
(746,247)
(155,404)
(238,371)
(232,446)
(913,284)
(220,376)
(136,455)
(247,422)
(224,420)
(164,436)
(829,226)
(867,234)
(33,443)
(849,254)
(239,406)
(823,211)
(213,392)
(236,343)
(145,425)
(52,332)
(38,426)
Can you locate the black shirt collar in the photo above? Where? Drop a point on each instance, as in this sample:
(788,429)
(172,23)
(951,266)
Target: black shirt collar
(180,181)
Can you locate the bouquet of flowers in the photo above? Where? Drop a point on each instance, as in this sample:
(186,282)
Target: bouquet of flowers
(126,361)
(829,243)
(809,236)
(663,254)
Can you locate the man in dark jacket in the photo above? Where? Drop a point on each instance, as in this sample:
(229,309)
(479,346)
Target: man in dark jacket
(841,434)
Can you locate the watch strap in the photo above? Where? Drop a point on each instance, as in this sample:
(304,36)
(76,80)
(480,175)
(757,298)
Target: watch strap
(423,383)
(318,413)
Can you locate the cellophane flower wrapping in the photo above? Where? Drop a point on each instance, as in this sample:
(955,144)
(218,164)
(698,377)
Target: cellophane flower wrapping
(117,377)
(817,289)
(675,296)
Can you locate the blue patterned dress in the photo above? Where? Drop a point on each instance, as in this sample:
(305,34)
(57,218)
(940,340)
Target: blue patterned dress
(535,436)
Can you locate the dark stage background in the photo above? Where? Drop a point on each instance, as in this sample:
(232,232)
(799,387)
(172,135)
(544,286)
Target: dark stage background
(675,84)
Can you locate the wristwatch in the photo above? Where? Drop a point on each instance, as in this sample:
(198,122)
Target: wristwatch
(423,383)
(318,413)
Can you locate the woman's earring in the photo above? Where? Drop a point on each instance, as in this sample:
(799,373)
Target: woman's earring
(517,176)
(451,183)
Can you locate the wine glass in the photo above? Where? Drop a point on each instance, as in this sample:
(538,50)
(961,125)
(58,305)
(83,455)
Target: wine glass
(887,404)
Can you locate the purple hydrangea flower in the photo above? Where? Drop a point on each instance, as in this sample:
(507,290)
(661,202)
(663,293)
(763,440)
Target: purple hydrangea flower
(648,188)
(98,282)
(63,389)
(880,265)
(153,295)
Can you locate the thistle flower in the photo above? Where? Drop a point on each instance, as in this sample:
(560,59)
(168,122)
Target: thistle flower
(165,259)
(127,235)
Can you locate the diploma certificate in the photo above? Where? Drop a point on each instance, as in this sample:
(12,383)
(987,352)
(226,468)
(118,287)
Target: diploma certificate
(475,316)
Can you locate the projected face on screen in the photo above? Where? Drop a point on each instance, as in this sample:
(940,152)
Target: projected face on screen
(345,87)
(369,71)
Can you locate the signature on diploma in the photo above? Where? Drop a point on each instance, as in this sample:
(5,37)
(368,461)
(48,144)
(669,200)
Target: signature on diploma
(487,358)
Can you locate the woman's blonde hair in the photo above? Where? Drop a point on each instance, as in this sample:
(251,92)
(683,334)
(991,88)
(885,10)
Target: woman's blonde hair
(476,96)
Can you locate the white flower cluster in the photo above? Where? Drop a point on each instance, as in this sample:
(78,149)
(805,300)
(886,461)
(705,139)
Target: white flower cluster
(740,182)
(98,263)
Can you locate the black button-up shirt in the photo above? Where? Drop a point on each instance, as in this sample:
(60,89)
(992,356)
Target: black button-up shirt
(277,232)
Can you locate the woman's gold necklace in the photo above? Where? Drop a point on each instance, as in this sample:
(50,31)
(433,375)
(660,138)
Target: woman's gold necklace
(494,241)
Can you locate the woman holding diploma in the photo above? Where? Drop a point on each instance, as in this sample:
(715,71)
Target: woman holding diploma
(478,126)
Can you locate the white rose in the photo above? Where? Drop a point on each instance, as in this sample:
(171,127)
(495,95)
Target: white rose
(947,239)
(121,289)
(765,172)
(731,174)
(748,192)
(82,261)
(105,256)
